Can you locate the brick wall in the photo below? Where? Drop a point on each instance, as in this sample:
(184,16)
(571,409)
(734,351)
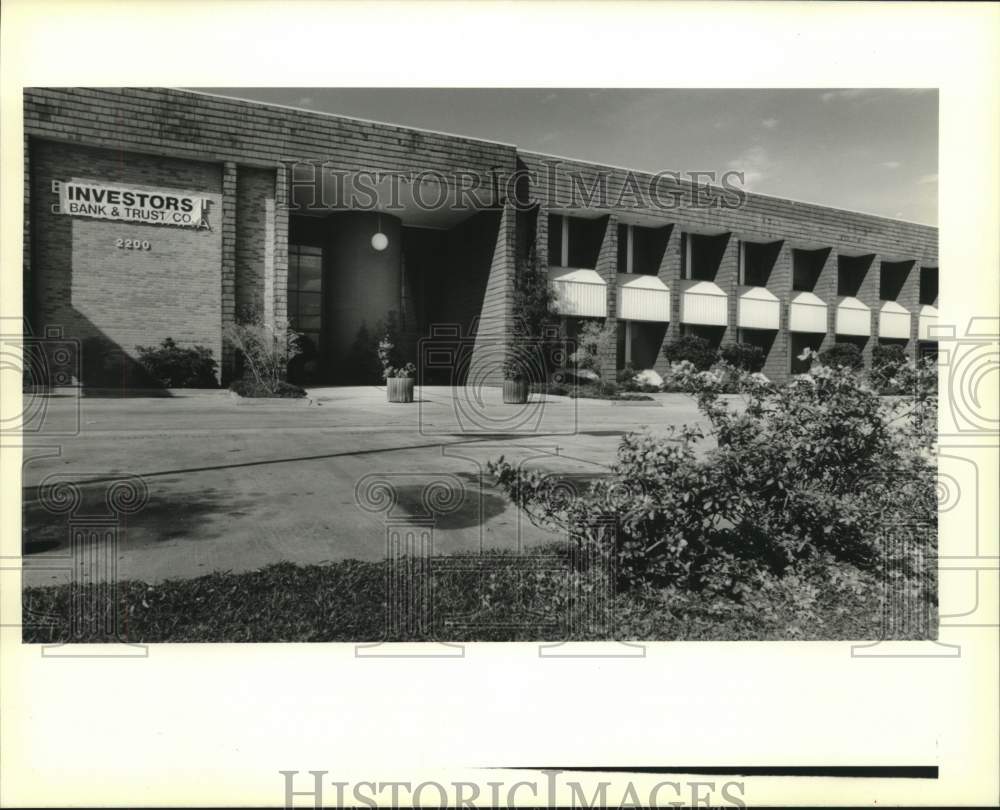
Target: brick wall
(239,152)
(768,217)
(607,266)
(496,305)
(120,297)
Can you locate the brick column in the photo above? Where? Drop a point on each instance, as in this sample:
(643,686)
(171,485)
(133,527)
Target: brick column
(826,289)
(909,298)
(868,294)
(669,272)
(279,260)
(776,365)
(728,279)
(541,215)
(227,366)
(496,317)
(27,288)
(607,267)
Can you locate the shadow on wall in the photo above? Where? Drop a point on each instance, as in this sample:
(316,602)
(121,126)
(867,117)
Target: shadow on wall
(88,358)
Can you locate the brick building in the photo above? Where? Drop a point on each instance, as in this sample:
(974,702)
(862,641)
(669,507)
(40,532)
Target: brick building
(154,213)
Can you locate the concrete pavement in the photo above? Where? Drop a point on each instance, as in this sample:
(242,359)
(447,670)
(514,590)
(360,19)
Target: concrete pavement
(234,484)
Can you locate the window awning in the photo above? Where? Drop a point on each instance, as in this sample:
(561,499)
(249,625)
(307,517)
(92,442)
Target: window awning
(853,317)
(758,308)
(807,313)
(643,298)
(704,303)
(893,321)
(579,292)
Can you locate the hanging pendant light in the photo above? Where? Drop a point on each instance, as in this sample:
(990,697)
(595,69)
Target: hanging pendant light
(379,240)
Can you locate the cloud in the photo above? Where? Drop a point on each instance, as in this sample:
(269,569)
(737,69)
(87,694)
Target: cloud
(755,164)
(769,123)
(928,179)
(305,101)
(891,164)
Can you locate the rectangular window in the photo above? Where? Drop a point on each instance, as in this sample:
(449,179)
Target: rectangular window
(851,272)
(807,265)
(556,257)
(928,286)
(757,260)
(305,293)
(892,279)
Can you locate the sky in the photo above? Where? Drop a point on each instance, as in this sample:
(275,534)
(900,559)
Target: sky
(871,150)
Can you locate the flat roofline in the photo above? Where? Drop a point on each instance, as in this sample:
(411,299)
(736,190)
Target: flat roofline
(751,193)
(324,114)
(518,150)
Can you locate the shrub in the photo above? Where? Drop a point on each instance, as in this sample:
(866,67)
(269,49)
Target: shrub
(251,388)
(820,472)
(744,356)
(388,356)
(263,350)
(842,355)
(173,366)
(693,349)
(627,378)
(594,342)
(888,362)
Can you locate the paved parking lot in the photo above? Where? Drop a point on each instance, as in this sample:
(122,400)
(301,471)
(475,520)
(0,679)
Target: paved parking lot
(230,484)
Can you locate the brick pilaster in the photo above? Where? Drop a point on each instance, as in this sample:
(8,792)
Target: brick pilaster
(607,267)
(909,298)
(227,366)
(279,262)
(727,279)
(869,294)
(496,320)
(777,364)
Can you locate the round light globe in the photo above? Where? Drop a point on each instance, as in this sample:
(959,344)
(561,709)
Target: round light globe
(380,241)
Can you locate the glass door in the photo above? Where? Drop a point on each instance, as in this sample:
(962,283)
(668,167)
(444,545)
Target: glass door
(305,310)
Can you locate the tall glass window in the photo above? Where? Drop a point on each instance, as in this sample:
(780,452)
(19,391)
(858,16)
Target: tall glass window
(305,294)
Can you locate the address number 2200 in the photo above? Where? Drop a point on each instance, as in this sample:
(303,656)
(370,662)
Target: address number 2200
(132,244)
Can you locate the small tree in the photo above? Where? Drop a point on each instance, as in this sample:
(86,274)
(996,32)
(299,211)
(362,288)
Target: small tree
(594,342)
(533,304)
(263,349)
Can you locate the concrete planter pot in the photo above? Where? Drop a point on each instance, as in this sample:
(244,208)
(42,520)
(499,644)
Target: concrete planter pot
(399,389)
(515,392)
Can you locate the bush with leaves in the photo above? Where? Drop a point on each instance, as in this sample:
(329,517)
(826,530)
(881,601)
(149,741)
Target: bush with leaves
(889,362)
(819,472)
(263,349)
(843,355)
(744,356)
(692,349)
(173,366)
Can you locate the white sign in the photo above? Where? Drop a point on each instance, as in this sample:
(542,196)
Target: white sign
(81,199)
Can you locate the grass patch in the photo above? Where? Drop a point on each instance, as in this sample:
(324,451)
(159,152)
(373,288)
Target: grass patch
(499,597)
(589,391)
(253,389)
